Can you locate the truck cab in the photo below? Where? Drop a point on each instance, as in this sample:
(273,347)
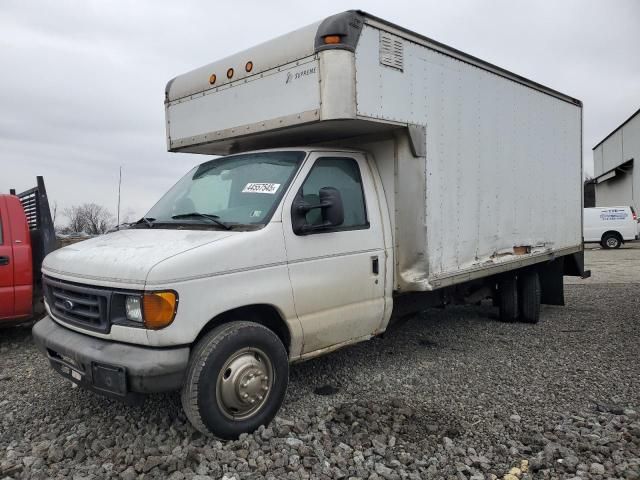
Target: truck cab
(292,239)
(26,236)
(16,275)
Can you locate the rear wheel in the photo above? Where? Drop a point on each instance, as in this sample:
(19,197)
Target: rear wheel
(529,296)
(611,240)
(508,299)
(236,380)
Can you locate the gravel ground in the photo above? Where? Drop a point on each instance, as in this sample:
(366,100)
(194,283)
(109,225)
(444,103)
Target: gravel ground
(620,265)
(449,394)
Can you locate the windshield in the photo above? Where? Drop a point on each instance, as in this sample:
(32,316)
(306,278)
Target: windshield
(228,191)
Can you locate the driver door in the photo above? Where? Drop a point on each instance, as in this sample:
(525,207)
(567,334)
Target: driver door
(337,274)
(7,287)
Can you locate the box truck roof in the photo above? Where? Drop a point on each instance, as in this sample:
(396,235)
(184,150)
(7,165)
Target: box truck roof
(291,89)
(308,40)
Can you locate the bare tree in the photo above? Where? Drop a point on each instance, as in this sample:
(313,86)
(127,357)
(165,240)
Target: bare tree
(76,219)
(54,213)
(98,219)
(89,218)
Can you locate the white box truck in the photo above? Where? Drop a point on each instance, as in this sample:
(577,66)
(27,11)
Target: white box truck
(367,172)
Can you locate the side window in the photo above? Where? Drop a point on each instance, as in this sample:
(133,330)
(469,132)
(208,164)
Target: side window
(343,174)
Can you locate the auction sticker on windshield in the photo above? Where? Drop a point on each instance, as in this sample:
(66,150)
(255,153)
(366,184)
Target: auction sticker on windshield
(270,188)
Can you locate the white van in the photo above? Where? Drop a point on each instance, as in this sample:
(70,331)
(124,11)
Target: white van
(610,226)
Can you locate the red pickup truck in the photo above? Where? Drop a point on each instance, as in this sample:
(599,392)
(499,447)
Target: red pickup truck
(27,235)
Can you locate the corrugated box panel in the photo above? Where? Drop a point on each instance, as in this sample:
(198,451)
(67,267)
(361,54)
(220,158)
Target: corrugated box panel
(503,161)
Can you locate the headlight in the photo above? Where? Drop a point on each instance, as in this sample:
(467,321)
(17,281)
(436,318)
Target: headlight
(133,308)
(156,309)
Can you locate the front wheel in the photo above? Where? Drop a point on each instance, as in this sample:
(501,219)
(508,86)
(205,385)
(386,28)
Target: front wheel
(236,380)
(611,240)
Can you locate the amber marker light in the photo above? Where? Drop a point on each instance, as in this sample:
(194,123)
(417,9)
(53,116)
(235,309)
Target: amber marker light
(212,79)
(159,309)
(331,39)
(230,73)
(249,66)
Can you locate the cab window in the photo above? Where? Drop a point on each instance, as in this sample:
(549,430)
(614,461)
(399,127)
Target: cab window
(343,174)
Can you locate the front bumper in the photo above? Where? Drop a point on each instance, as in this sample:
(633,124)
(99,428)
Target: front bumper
(110,368)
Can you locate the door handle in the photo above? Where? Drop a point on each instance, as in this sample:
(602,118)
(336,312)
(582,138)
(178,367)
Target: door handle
(4,261)
(375,265)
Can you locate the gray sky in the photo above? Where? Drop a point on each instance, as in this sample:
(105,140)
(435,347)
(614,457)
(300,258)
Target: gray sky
(82,82)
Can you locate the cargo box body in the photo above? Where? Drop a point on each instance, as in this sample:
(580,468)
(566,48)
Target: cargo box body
(481,168)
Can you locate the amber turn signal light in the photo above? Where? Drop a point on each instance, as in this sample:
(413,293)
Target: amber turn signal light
(332,39)
(159,309)
(230,73)
(249,66)
(212,79)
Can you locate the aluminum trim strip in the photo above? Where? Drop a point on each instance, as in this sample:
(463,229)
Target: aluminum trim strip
(505,266)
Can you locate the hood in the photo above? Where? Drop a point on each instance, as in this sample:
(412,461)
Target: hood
(126,256)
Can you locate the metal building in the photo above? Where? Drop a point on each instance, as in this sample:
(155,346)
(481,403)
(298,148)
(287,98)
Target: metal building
(613,162)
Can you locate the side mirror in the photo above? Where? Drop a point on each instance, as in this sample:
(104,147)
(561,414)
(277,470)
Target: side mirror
(332,208)
(332,212)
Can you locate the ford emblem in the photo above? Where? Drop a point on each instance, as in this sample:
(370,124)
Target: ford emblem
(68,304)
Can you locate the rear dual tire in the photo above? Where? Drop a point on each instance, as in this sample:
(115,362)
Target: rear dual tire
(519,297)
(236,380)
(529,297)
(508,299)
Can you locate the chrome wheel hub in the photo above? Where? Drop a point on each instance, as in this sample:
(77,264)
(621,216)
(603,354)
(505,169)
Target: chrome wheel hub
(244,383)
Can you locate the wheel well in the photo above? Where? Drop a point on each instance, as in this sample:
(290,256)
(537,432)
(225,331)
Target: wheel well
(263,314)
(611,232)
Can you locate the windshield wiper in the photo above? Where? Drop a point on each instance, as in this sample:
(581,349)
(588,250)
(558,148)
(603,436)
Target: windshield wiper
(148,221)
(212,218)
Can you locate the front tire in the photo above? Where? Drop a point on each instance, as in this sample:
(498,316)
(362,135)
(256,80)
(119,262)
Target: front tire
(611,240)
(236,380)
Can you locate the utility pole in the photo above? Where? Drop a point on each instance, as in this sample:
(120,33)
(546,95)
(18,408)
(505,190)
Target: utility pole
(119,185)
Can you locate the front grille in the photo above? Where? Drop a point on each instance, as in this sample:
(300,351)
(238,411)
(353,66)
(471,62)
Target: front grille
(78,305)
